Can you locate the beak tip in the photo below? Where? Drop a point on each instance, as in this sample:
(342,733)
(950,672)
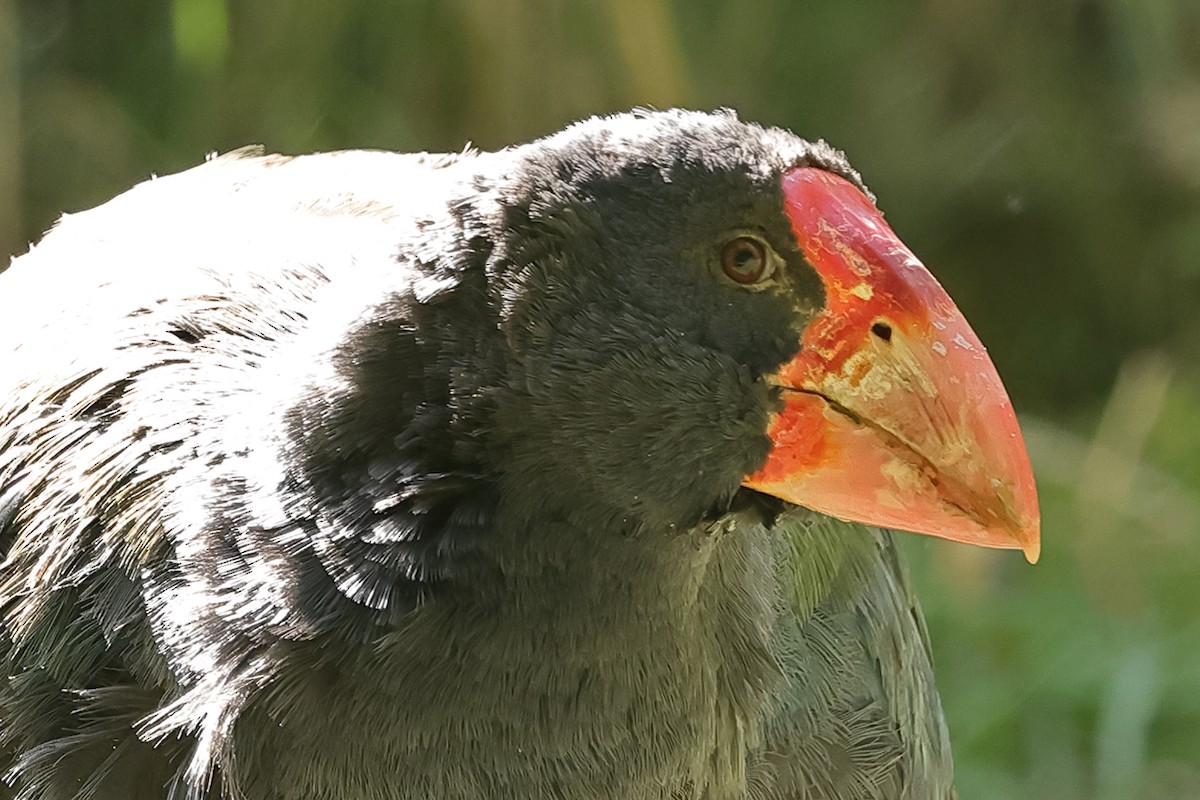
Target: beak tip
(1032,550)
(1029,530)
(1029,539)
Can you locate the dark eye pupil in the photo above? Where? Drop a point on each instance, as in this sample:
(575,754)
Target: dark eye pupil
(744,260)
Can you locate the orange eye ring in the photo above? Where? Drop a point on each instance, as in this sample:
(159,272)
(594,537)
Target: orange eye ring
(744,260)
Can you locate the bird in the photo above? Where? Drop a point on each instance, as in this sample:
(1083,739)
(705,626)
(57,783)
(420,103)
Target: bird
(563,471)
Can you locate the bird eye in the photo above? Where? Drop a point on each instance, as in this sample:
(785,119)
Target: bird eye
(745,260)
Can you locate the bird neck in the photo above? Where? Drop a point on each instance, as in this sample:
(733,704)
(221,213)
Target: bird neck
(608,573)
(577,581)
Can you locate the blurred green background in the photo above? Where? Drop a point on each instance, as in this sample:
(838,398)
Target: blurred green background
(1041,156)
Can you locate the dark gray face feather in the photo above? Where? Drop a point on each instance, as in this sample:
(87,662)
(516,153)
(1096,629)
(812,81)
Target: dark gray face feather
(629,345)
(389,476)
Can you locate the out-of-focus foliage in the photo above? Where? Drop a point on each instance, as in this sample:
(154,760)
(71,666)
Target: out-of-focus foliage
(1042,156)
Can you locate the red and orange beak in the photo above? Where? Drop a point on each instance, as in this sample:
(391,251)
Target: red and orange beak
(893,413)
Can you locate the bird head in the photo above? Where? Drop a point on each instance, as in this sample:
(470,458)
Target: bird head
(699,306)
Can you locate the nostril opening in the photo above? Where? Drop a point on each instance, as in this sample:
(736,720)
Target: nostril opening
(882,330)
